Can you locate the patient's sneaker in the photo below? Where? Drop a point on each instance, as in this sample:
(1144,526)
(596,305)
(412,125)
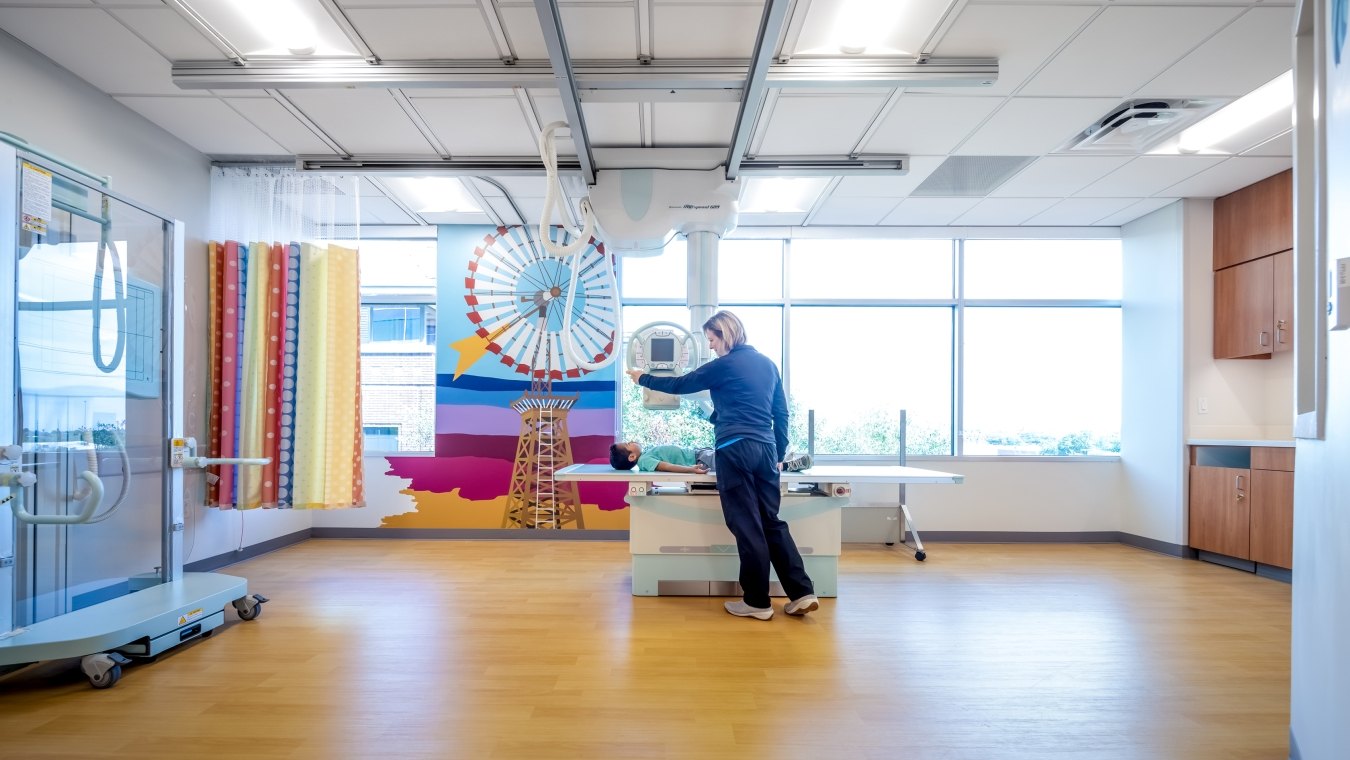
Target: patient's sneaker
(808,603)
(797,462)
(741,609)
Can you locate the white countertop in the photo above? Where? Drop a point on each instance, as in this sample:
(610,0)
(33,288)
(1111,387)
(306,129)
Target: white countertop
(1225,442)
(819,474)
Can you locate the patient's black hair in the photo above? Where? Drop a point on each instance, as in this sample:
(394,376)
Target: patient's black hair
(618,458)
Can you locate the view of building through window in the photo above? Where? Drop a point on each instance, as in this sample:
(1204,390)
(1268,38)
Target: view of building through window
(398,344)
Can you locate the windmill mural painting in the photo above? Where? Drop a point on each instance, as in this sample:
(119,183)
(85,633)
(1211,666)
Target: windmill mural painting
(511,409)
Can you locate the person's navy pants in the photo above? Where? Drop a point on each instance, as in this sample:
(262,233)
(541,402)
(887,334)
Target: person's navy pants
(747,481)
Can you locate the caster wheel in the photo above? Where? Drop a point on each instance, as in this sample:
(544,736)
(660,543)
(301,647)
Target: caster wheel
(920,556)
(108,679)
(890,543)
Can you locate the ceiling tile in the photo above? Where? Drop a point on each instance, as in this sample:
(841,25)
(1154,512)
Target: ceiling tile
(694,124)
(1080,212)
(381,210)
(168,33)
(854,211)
(598,32)
(1022,37)
(425,33)
(477,126)
(1130,213)
(521,25)
(701,30)
(613,125)
(1281,145)
(929,124)
(795,126)
(928,212)
(772,220)
(362,120)
(278,123)
(94,46)
(206,124)
(1148,175)
(1125,47)
(1233,174)
(1004,212)
(1059,176)
(1031,126)
(1246,54)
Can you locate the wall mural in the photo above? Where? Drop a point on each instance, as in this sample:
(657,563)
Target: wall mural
(511,406)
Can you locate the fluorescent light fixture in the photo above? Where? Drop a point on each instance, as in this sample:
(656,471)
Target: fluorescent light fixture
(1263,102)
(282,22)
(863,23)
(435,195)
(781,195)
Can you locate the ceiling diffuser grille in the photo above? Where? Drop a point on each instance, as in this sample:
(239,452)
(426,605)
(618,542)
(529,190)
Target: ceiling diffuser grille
(971,176)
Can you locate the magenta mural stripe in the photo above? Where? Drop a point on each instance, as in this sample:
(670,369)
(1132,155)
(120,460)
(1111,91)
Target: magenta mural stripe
(494,420)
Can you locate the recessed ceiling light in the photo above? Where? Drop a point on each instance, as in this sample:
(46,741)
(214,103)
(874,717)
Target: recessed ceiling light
(863,23)
(1263,102)
(282,22)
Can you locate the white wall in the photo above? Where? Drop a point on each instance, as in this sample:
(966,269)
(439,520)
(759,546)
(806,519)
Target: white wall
(1246,398)
(63,115)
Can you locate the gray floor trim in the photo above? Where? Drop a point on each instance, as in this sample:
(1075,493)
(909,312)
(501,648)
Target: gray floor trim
(1227,561)
(505,534)
(248,552)
(1019,537)
(1275,573)
(1154,545)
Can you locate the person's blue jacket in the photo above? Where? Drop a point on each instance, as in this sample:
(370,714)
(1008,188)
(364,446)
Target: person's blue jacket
(747,396)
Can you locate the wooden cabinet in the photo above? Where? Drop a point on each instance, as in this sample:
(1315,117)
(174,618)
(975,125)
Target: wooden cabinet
(1220,517)
(1256,221)
(1242,503)
(1272,507)
(1254,270)
(1254,308)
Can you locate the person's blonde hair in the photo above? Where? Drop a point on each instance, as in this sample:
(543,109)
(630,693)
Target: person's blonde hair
(728,327)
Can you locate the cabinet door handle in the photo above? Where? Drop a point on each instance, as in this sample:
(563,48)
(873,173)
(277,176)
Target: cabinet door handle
(1265,338)
(1279,331)
(1237,486)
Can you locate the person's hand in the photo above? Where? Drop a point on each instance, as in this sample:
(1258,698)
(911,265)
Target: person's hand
(701,468)
(634,374)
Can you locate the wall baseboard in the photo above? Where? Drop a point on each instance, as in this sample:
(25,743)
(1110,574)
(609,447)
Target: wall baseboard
(504,534)
(248,552)
(472,534)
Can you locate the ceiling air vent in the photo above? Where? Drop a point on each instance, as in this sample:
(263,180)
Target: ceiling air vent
(1136,126)
(970,176)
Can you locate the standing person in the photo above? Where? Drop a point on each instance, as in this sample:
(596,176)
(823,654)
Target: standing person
(750,421)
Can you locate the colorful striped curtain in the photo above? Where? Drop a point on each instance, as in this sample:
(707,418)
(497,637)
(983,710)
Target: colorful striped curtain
(285,350)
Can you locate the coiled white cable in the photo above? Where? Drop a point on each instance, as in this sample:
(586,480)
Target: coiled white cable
(548,153)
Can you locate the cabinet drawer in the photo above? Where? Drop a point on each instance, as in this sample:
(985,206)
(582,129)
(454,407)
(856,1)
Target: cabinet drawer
(1273,458)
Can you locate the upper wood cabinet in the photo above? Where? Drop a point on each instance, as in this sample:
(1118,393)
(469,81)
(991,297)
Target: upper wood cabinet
(1254,308)
(1256,221)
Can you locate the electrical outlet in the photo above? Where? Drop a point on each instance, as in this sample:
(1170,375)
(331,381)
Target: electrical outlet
(1202,405)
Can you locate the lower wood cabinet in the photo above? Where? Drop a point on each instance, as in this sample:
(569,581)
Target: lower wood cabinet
(1242,503)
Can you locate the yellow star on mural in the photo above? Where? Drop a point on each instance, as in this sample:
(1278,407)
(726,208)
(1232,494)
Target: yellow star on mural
(472,348)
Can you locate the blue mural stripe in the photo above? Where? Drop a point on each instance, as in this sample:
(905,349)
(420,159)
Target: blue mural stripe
(458,397)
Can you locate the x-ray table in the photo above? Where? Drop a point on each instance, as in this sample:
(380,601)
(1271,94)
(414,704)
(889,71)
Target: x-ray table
(681,545)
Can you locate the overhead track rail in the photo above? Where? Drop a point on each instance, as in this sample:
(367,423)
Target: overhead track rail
(587,75)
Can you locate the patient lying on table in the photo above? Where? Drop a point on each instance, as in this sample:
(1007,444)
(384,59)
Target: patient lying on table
(624,455)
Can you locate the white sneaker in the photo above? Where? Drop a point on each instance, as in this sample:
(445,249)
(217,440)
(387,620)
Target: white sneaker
(741,609)
(797,462)
(808,603)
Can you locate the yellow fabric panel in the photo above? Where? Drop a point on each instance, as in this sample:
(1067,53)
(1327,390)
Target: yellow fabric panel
(253,388)
(311,381)
(344,361)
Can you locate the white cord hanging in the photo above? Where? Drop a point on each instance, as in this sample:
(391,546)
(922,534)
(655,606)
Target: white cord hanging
(548,153)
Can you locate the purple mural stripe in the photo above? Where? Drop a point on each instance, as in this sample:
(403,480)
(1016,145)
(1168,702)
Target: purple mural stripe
(477,478)
(585,448)
(494,420)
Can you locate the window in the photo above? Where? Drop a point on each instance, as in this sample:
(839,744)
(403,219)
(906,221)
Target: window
(991,347)
(398,344)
